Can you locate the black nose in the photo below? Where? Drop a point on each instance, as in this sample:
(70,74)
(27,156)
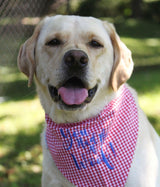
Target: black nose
(76,59)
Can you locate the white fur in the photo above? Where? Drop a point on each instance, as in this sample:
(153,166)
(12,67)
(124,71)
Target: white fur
(145,169)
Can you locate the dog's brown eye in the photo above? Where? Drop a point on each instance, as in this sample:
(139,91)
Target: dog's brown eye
(95,44)
(54,42)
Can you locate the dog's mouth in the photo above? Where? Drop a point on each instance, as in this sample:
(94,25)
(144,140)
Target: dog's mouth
(73,93)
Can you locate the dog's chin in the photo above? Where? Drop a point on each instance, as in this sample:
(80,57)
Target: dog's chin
(63,106)
(69,101)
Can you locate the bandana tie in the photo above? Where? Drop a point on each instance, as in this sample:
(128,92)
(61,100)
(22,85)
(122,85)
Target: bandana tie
(98,151)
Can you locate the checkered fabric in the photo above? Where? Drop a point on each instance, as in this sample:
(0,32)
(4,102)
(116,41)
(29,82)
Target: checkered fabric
(98,151)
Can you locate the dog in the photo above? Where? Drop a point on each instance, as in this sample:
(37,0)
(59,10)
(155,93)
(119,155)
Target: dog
(81,67)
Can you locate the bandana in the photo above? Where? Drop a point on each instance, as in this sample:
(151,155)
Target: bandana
(97,151)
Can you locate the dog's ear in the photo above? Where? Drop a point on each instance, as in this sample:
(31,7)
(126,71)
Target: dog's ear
(123,63)
(26,57)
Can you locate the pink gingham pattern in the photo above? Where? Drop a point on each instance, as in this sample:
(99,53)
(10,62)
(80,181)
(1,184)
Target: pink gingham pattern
(98,151)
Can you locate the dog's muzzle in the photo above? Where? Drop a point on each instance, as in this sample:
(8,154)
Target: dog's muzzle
(73,93)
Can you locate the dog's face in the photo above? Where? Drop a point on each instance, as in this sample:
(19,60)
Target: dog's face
(76,60)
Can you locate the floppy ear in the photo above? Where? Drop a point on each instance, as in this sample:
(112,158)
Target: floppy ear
(26,57)
(123,63)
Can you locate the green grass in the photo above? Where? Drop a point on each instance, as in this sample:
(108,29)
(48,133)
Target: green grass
(21,116)
(21,154)
(143,39)
(146,82)
(146,52)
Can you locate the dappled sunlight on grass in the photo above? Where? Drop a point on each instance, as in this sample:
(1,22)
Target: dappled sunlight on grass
(142,38)
(12,75)
(146,51)
(149,104)
(147,84)
(21,123)
(19,116)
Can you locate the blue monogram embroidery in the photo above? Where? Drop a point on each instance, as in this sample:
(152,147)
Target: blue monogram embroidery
(68,139)
(78,138)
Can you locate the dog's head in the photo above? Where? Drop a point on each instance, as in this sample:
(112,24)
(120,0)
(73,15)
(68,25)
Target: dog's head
(75,60)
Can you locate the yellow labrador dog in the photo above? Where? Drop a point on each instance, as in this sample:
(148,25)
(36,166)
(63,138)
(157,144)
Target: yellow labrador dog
(95,132)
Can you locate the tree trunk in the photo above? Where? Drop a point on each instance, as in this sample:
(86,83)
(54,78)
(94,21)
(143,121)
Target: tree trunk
(68,8)
(136,8)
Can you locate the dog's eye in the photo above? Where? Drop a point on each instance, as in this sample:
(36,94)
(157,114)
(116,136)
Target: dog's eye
(95,44)
(54,42)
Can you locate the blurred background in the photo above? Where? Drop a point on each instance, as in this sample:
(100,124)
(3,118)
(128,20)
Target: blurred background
(21,116)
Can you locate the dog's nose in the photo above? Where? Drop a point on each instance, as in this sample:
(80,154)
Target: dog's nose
(76,59)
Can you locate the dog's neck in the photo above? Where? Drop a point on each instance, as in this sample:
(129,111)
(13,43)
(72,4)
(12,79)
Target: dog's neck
(103,97)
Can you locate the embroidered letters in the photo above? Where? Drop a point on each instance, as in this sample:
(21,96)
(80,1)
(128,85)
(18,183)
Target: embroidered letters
(92,154)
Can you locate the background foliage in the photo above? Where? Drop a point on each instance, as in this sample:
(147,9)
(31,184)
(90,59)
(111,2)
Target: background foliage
(21,116)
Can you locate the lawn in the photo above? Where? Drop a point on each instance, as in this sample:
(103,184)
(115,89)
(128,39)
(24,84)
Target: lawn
(21,116)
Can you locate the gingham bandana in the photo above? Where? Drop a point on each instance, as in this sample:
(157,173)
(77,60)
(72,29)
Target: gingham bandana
(98,151)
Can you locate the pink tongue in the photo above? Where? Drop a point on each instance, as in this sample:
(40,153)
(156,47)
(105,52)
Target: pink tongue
(73,96)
